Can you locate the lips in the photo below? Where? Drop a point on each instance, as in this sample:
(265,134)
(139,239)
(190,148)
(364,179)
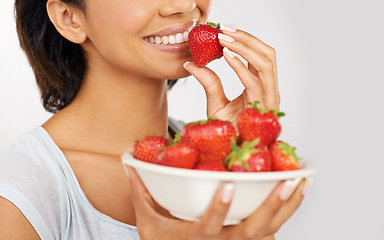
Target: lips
(174,35)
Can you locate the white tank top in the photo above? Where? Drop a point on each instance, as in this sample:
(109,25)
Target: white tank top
(36,177)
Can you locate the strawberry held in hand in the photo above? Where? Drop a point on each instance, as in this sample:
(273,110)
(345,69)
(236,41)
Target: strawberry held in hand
(284,157)
(204,44)
(148,149)
(248,157)
(254,123)
(212,138)
(181,155)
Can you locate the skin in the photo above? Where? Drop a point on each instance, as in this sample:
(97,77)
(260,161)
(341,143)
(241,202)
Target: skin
(124,91)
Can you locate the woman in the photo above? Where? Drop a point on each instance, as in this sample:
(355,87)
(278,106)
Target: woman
(107,85)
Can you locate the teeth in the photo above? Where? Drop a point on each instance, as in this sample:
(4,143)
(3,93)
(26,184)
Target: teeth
(165,40)
(185,36)
(157,40)
(172,39)
(179,38)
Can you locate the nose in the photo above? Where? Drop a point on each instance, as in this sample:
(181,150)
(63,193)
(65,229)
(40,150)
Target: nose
(177,7)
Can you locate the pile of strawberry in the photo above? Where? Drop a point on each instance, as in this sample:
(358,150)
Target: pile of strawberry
(218,145)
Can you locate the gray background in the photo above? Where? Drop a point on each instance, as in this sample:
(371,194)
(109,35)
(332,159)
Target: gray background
(330,60)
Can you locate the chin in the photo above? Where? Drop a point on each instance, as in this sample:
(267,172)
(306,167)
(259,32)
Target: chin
(175,70)
(180,73)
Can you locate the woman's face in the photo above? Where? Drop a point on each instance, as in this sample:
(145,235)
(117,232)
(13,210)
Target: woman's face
(121,34)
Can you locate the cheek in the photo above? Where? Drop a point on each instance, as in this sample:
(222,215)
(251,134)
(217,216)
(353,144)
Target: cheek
(205,8)
(120,18)
(113,29)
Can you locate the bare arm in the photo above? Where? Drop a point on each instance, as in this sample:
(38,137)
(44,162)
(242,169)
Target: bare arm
(13,224)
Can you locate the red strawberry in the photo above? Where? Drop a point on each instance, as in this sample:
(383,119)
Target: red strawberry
(212,138)
(283,157)
(204,44)
(148,148)
(248,157)
(181,155)
(211,166)
(254,123)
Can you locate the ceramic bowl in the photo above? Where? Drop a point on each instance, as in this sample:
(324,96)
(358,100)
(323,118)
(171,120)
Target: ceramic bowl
(186,193)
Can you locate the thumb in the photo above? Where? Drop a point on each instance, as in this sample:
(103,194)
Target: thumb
(211,83)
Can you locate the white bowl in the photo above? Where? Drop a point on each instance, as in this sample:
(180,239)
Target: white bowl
(186,193)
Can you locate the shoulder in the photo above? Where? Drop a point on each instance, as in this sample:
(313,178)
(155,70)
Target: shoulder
(29,161)
(13,224)
(33,150)
(29,184)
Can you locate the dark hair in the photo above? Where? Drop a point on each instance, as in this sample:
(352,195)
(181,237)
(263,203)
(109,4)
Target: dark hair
(58,64)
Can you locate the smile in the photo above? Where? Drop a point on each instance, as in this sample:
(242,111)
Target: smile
(169,40)
(174,35)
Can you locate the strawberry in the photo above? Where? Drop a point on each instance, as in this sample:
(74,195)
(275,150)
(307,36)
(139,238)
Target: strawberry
(181,155)
(283,156)
(248,157)
(148,148)
(212,138)
(204,44)
(254,123)
(211,166)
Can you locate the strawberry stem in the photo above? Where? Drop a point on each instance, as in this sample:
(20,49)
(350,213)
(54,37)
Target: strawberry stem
(289,150)
(214,25)
(255,106)
(234,146)
(241,153)
(177,138)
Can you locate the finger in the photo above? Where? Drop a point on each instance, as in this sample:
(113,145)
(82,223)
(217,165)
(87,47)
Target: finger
(212,221)
(255,43)
(252,41)
(273,102)
(251,82)
(262,64)
(141,199)
(258,222)
(216,98)
(248,39)
(290,206)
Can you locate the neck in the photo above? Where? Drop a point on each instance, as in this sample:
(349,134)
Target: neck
(111,112)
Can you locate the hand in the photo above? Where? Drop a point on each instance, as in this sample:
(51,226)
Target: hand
(259,77)
(262,224)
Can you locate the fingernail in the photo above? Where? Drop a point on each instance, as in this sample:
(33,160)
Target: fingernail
(229,52)
(225,37)
(307,185)
(227,193)
(288,188)
(227,28)
(185,65)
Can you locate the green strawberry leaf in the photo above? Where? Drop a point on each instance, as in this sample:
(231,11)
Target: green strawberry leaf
(214,25)
(241,153)
(280,114)
(289,150)
(255,106)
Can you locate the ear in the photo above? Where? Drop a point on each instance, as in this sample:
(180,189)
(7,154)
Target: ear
(67,20)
